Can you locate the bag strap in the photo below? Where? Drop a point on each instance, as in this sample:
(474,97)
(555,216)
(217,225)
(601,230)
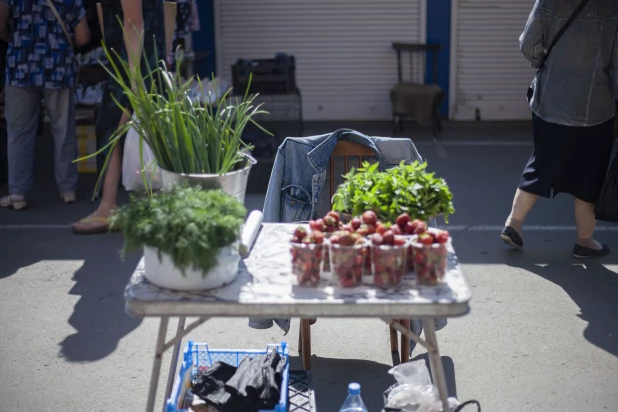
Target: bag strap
(564,28)
(60,22)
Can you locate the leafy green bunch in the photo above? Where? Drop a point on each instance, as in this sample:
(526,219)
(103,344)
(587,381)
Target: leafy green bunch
(406,188)
(185,136)
(188,223)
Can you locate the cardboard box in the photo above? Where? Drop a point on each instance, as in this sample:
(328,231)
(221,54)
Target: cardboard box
(86,145)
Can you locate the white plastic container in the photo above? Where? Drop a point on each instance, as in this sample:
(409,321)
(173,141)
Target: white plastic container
(163,273)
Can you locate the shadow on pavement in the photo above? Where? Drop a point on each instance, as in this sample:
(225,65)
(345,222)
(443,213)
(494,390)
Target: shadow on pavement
(99,317)
(592,286)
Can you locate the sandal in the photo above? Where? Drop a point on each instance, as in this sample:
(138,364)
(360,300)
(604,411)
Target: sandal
(91,225)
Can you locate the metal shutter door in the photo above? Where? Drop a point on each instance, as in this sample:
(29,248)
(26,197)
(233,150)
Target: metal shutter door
(345,65)
(491,74)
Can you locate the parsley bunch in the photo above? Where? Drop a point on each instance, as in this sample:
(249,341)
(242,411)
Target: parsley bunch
(188,223)
(407,188)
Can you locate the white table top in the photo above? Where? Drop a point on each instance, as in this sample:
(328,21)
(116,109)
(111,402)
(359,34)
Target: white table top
(265,287)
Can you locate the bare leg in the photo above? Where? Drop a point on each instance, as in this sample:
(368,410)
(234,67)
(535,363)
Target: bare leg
(522,204)
(585,221)
(110,189)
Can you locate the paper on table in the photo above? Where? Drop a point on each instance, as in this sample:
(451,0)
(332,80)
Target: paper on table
(250,231)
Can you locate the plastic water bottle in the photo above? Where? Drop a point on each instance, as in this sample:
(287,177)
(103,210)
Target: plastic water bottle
(354,402)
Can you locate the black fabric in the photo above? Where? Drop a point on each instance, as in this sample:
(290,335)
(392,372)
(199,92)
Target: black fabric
(253,386)
(568,159)
(214,379)
(580,251)
(607,204)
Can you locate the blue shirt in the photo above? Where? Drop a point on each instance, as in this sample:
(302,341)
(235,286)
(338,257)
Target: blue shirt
(39,54)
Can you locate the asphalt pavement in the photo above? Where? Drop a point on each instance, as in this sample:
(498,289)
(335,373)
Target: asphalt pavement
(542,334)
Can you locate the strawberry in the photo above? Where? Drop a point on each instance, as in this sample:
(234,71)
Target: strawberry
(346,239)
(442,236)
(420,229)
(330,221)
(372,229)
(369,217)
(409,229)
(295,239)
(334,215)
(402,220)
(426,239)
(377,239)
(420,226)
(348,228)
(363,231)
(300,232)
(396,230)
(399,241)
(316,224)
(318,237)
(389,237)
(335,239)
(356,223)
(380,228)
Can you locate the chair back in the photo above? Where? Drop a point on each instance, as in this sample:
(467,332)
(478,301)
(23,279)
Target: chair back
(347,149)
(417,55)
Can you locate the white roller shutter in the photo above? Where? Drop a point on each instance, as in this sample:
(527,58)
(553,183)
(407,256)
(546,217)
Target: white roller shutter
(491,75)
(345,65)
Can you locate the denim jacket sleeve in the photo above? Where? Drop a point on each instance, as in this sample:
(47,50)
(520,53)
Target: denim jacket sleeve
(272,203)
(531,41)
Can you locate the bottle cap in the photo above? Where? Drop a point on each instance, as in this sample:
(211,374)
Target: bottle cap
(354,389)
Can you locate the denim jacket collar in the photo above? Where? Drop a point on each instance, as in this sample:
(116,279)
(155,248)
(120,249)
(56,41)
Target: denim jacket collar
(320,156)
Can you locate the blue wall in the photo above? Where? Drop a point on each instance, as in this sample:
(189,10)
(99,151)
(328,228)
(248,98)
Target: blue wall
(204,40)
(439,31)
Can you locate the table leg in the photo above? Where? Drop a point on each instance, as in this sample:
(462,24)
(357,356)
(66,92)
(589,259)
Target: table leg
(156,366)
(174,363)
(437,370)
(405,342)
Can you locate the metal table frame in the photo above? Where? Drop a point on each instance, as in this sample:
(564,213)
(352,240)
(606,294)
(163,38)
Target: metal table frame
(262,288)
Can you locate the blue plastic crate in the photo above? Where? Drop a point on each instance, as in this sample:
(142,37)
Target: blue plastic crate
(197,355)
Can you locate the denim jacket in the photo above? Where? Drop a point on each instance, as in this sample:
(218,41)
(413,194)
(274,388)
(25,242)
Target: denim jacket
(299,172)
(578,83)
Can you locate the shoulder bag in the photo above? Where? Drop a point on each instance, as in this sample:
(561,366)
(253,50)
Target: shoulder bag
(563,29)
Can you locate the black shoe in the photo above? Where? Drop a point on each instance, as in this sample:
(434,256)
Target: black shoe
(583,252)
(511,237)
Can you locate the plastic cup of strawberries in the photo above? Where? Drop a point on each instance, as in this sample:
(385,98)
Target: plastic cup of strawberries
(388,258)
(307,249)
(328,225)
(347,258)
(430,256)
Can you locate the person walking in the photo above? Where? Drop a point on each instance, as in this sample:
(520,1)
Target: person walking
(41,64)
(574,44)
(143,23)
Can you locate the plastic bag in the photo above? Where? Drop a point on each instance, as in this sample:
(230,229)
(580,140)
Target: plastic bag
(606,207)
(132,178)
(415,392)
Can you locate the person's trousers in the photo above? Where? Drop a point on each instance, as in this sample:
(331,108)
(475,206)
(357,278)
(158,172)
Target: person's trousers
(22,109)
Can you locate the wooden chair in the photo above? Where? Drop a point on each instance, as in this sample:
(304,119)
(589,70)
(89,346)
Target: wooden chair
(414,97)
(347,149)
